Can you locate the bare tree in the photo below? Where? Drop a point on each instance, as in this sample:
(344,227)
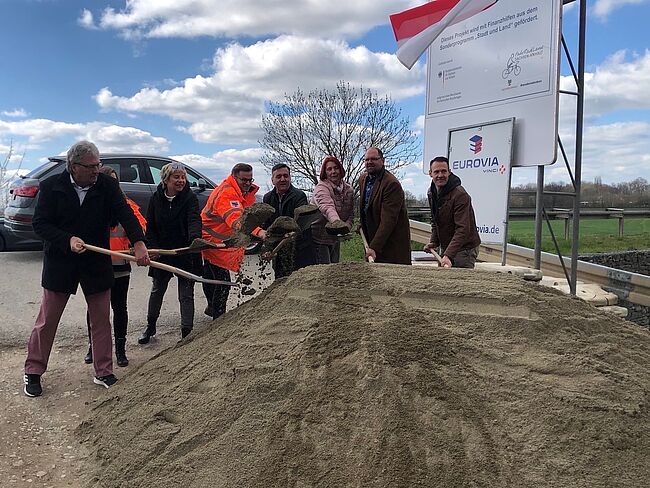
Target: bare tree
(343,122)
(5,179)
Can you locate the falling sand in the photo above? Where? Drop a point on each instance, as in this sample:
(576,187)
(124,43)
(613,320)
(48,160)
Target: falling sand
(386,376)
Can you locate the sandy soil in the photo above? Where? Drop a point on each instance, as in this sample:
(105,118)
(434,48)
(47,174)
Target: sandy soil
(383,376)
(412,379)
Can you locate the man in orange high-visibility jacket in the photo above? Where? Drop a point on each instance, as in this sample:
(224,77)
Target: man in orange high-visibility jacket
(220,219)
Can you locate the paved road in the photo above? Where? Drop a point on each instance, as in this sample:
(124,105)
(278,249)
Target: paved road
(20,296)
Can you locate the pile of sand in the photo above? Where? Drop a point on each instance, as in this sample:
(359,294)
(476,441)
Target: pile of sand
(377,375)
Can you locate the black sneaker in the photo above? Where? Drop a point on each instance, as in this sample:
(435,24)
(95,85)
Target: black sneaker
(33,385)
(107,381)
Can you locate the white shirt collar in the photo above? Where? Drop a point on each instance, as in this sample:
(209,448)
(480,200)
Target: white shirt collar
(77,187)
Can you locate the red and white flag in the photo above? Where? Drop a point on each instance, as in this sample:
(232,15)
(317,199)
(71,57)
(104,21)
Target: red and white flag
(415,29)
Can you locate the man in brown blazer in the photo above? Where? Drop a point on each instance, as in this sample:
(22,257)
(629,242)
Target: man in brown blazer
(383,212)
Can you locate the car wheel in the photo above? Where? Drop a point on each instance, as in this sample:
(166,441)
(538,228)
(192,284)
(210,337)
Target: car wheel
(3,245)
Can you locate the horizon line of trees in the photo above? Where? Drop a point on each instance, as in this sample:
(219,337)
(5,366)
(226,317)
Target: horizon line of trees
(596,194)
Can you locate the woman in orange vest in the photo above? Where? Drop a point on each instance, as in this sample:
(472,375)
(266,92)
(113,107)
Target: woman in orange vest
(120,289)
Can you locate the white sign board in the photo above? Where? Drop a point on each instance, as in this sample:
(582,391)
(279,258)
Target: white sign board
(500,63)
(480,156)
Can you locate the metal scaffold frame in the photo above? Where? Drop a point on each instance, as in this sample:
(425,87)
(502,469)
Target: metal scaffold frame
(576,174)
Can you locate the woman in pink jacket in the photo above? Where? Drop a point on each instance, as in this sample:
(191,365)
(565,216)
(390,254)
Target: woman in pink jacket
(335,200)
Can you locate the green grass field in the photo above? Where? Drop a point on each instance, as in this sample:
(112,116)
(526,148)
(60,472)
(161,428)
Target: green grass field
(596,235)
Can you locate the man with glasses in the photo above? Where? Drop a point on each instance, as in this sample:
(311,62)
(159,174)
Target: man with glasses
(74,208)
(383,212)
(220,218)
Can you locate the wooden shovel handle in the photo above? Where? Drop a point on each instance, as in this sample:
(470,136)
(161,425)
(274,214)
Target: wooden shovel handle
(156,264)
(365,244)
(291,236)
(177,251)
(437,256)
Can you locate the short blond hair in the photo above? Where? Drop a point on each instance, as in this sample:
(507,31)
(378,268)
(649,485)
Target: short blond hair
(171,168)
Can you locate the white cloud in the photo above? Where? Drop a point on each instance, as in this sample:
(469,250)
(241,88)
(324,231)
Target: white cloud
(109,138)
(219,165)
(621,145)
(603,8)
(39,130)
(418,125)
(616,152)
(86,20)
(17,113)
(252,18)
(226,107)
(619,84)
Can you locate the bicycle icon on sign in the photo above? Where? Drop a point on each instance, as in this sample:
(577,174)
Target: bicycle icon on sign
(512,67)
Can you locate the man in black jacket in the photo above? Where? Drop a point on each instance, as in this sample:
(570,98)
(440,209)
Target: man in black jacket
(285,198)
(74,208)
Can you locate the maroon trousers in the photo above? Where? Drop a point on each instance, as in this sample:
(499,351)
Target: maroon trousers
(42,338)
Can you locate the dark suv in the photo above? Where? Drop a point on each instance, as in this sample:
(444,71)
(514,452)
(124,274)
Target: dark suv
(139,176)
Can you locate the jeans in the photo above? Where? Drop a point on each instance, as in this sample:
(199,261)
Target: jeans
(185,297)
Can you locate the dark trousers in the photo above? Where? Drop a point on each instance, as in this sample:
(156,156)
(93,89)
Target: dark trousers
(119,294)
(328,253)
(47,322)
(216,295)
(465,258)
(185,298)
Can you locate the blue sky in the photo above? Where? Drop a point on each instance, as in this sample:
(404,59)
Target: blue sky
(189,78)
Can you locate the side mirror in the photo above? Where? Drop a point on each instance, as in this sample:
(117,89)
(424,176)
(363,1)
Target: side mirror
(202,184)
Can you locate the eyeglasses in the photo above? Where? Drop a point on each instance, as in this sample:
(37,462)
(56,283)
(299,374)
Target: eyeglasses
(89,166)
(176,166)
(376,158)
(245,180)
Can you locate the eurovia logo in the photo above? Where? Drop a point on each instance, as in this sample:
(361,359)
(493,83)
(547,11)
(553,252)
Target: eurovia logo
(502,169)
(476,144)
(486,164)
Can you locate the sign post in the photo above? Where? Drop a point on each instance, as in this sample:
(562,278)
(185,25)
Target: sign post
(481,156)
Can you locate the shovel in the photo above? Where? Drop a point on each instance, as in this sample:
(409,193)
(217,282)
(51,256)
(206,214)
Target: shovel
(365,244)
(166,267)
(197,245)
(286,240)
